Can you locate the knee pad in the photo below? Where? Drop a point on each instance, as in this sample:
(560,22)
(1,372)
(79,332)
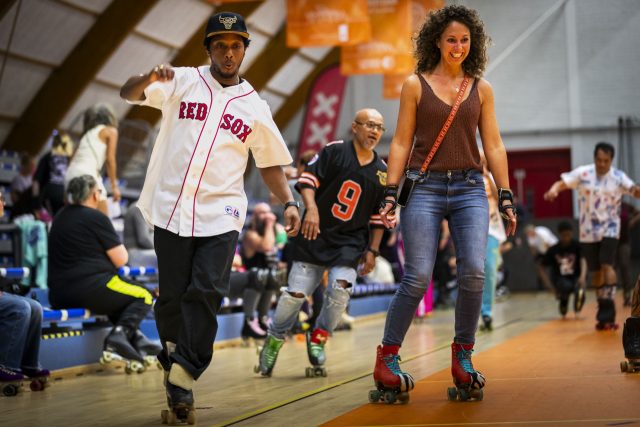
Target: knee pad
(606,292)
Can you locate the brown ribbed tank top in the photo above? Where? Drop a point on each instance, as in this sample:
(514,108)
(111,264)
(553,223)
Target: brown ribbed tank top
(459,149)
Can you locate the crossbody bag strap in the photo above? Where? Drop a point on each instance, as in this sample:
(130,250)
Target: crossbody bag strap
(446,126)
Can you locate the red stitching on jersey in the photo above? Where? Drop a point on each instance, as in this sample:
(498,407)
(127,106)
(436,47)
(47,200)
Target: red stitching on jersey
(195,195)
(194,150)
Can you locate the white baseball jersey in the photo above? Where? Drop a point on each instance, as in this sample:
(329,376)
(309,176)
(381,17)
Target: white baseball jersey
(599,200)
(194,184)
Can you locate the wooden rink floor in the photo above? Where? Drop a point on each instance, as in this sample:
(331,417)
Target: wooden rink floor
(540,370)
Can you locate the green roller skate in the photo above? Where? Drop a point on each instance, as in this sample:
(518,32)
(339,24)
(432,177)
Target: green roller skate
(268,355)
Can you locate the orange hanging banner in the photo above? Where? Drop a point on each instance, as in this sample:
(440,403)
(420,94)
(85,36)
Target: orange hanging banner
(390,47)
(392,82)
(327,22)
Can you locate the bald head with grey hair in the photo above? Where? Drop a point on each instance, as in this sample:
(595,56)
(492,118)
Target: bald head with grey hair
(81,188)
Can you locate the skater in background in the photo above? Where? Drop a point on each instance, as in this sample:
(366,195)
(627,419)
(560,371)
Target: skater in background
(451,54)
(85,254)
(193,193)
(497,236)
(259,249)
(568,270)
(341,232)
(20,333)
(97,146)
(600,187)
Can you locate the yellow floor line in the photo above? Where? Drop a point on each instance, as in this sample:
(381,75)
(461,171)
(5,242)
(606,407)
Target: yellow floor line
(357,377)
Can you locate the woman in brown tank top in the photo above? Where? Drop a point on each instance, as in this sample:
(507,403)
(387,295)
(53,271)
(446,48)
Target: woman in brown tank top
(451,46)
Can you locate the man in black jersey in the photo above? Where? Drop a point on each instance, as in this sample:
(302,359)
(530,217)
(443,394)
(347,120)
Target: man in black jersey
(341,187)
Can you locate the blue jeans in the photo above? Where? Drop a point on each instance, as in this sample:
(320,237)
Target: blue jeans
(460,197)
(490,275)
(304,278)
(20,331)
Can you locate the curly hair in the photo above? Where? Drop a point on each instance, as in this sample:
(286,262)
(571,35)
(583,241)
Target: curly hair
(427,53)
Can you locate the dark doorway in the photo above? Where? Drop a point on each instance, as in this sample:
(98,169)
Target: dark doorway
(531,173)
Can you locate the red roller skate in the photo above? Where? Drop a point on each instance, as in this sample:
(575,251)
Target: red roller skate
(468,382)
(391,383)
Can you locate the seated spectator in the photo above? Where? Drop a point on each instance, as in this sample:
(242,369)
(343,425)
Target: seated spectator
(85,254)
(21,195)
(48,182)
(20,333)
(138,238)
(259,250)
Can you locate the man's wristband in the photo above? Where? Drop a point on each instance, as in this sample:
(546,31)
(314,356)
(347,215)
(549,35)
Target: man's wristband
(373,251)
(292,203)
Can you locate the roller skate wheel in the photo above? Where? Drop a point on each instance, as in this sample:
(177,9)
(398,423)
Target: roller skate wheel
(403,398)
(191,417)
(452,393)
(159,365)
(106,357)
(624,366)
(477,394)
(256,369)
(10,390)
(308,372)
(36,385)
(374,396)
(389,397)
(103,361)
(464,395)
(171,418)
(164,416)
(320,372)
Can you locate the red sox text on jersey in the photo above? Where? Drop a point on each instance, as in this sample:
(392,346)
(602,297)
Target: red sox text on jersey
(198,111)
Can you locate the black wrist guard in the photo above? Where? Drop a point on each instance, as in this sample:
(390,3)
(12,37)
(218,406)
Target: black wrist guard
(505,194)
(390,191)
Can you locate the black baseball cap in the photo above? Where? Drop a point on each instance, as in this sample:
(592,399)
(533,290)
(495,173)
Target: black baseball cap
(226,23)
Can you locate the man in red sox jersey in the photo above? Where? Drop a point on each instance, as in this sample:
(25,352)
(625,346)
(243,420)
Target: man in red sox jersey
(194,196)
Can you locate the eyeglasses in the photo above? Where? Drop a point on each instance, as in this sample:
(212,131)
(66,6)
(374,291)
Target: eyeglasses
(371,126)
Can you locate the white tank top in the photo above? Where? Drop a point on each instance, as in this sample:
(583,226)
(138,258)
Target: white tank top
(90,155)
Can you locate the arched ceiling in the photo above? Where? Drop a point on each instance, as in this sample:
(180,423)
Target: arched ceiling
(66,55)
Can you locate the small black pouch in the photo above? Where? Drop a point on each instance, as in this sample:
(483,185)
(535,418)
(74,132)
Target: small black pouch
(412,177)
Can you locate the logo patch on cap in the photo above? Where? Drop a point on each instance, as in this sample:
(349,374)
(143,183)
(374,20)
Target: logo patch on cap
(228,21)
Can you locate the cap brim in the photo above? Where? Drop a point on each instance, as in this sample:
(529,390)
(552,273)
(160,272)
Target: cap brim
(240,33)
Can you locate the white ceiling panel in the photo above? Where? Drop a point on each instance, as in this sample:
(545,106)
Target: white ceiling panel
(134,56)
(174,22)
(45,30)
(317,53)
(95,93)
(273,100)
(97,6)
(287,79)
(269,16)
(20,83)
(258,43)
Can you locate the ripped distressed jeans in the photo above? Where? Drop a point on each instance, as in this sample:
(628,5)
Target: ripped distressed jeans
(304,278)
(458,196)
